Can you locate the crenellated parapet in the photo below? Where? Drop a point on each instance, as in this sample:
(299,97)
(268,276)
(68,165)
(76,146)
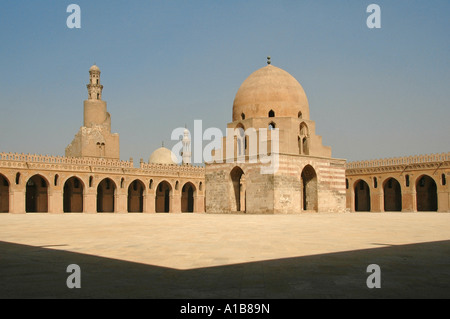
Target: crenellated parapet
(99,165)
(399,163)
(179,170)
(48,159)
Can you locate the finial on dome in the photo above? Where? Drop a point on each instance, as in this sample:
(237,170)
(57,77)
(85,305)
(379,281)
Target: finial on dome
(268,60)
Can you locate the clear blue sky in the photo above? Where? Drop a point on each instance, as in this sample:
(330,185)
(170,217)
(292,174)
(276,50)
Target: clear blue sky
(372,93)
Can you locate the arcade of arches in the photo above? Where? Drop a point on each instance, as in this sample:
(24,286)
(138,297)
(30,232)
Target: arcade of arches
(397,188)
(29,191)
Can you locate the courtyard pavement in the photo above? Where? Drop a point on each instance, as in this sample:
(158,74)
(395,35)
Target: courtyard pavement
(225,256)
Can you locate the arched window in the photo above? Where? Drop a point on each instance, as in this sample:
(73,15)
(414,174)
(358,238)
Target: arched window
(242,116)
(271,113)
(304,129)
(272,126)
(407,180)
(91,179)
(346,183)
(300,115)
(150,185)
(56,179)
(200,186)
(375,182)
(98,96)
(177,185)
(121,182)
(17,178)
(444,180)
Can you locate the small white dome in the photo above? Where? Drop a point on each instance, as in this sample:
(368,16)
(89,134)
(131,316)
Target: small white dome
(94,68)
(163,156)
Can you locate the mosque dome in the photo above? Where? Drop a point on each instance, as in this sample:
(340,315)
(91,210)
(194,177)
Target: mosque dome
(270,90)
(163,156)
(94,68)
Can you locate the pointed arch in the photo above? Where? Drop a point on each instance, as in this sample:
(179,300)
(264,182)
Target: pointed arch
(4,194)
(188,193)
(392,195)
(163,198)
(106,191)
(73,195)
(309,189)
(136,196)
(36,194)
(426,194)
(237,178)
(303,139)
(362,196)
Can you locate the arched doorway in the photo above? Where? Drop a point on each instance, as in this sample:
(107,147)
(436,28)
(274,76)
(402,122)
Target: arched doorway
(362,197)
(106,191)
(309,189)
(4,194)
(136,197)
(238,203)
(426,193)
(36,195)
(162,199)
(73,195)
(187,198)
(392,196)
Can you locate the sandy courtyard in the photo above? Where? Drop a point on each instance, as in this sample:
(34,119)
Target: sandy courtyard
(225,256)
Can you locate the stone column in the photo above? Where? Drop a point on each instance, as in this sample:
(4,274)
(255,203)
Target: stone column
(199,204)
(18,202)
(121,202)
(407,200)
(175,203)
(11,201)
(350,199)
(442,198)
(56,202)
(377,197)
(149,199)
(89,202)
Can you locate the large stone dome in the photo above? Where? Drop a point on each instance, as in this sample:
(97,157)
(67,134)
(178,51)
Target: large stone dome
(163,156)
(270,89)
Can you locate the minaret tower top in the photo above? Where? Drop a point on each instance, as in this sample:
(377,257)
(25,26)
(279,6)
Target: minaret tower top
(94,87)
(186,147)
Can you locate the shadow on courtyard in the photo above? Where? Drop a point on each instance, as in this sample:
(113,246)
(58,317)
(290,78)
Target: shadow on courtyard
(407,271)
